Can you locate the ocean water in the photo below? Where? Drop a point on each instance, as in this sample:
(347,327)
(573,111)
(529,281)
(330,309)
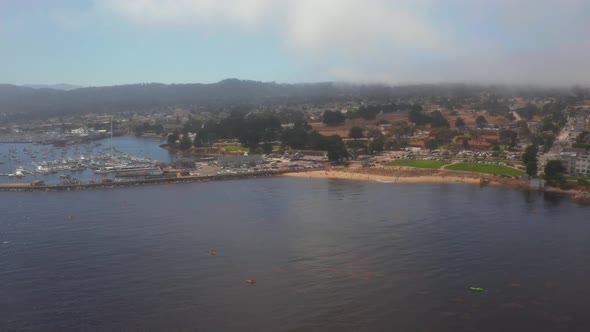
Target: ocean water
(327,255)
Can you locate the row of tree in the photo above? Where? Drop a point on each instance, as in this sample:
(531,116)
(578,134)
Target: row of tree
(257,131)
(367,112)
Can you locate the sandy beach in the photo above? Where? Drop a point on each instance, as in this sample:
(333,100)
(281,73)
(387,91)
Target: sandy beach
(405,175)
(401,178)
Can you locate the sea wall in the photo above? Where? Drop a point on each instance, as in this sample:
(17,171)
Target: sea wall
(23,187)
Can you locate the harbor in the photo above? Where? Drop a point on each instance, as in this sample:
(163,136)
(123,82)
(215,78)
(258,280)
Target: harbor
(120,157)
(125,161)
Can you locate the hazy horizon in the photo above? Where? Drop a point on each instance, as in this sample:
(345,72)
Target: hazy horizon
(109,42)
(67,86)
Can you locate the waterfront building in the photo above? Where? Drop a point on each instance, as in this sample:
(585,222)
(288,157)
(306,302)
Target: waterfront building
(576,161)
(310,155)
(236,161)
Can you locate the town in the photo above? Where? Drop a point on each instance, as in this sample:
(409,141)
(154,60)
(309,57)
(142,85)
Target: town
(533,137)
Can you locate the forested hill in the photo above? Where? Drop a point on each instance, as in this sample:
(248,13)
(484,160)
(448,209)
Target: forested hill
(18,99)
(231,92)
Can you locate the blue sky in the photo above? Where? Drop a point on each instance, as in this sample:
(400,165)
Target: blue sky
(106,42)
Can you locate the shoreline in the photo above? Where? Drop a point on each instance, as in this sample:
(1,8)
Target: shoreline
(381,175)
(437,176)
(358,176)
(27,187)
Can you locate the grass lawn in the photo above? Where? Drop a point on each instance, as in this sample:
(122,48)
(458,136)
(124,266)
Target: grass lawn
(235,148)
(576,178)
(418,163)
(487,169)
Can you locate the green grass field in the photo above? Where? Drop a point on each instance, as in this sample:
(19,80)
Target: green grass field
(418,163)
(484,168)
(576,178)
(235,148)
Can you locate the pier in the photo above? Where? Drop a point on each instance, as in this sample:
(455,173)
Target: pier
(29,187)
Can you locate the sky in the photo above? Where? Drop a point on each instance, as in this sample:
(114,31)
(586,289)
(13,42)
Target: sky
(111,42)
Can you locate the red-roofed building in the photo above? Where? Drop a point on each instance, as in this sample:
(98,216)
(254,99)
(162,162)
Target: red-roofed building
(416,144)
(490,138)
(479,145)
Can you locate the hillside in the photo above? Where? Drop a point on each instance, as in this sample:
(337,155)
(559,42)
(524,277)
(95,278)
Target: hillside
(231,92)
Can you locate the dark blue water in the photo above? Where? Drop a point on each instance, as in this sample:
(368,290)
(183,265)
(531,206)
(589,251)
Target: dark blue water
(327,255)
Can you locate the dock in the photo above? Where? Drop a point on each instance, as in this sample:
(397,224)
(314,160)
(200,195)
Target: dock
(29,187)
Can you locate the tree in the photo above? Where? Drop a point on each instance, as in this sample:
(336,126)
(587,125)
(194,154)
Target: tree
(508,137)
(544,139)
(355,132)
(402,129)
(336,148)
(417,116)
(332,118)
(260,127)
(332,144)
(368,112)
(481,121)
(531,168)
(528,111)
(431,144)
(459,123)
(185,143)
(295,137)
(443,135)
(465,142)
(376,145)
(529,157)
(374,133)
(172,138)
(554,171)
(138,129)
(437,120)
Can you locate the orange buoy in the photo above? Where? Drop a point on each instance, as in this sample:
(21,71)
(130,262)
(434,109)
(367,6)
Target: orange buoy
(251,281)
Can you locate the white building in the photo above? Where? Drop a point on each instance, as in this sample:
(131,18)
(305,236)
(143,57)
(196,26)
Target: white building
(576,162)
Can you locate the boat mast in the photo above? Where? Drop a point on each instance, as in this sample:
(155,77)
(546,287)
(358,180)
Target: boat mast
(112,141)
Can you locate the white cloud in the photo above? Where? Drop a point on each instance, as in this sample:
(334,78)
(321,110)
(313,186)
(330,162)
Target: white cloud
(353,25)
(186,13)
(524,41)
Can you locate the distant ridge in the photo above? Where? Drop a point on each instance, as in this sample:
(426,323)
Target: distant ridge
(61,86)
(231,93)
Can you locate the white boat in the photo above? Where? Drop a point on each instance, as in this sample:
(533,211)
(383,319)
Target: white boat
(19,172)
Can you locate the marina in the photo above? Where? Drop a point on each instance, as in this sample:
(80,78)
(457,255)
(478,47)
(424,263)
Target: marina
(119,157)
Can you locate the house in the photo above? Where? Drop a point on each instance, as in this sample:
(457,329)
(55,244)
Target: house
(416,144)
(490,138)
(311,155)
(237,161)
(534,127)
(288,126)
(479,144)
(385,128)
